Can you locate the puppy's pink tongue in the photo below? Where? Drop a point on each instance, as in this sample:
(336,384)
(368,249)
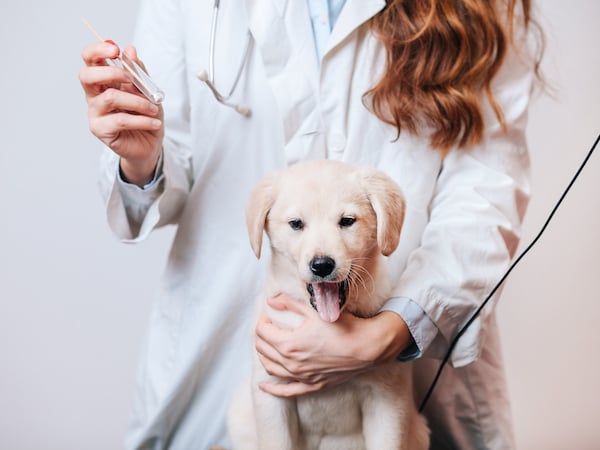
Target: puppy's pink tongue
(327,298)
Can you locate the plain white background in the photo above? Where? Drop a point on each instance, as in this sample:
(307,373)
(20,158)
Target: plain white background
(74,301)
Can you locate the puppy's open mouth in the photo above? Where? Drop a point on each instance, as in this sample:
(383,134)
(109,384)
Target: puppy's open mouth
(328,299)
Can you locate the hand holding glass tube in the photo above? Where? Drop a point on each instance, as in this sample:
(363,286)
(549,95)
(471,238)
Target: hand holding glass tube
(124,109)
(137,75)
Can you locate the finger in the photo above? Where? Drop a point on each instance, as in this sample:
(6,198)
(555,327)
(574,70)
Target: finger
(97,79)
(265,349)
(272,359)
(289,390)
(105,127)
(265,346)
(284,303)
(275,361)
(274,369)
(279,366)
(96,54)
(272,335)
(263,322)
(116,100)
(132,53)
(265,328)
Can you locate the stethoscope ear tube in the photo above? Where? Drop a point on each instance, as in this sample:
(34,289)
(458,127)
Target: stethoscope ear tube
(209,77)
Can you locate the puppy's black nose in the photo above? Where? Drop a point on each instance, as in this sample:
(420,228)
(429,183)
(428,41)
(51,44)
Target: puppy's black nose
(322,266)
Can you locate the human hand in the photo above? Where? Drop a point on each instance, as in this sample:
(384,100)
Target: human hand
(119,115)
(317,355)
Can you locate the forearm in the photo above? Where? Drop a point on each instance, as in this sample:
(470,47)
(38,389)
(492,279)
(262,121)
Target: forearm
(389,336)
(140,173)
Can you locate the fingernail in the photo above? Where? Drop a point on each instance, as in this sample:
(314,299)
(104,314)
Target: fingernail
(113,43)
(156,123)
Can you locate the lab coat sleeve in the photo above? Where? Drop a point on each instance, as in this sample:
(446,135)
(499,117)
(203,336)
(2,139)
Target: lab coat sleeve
(421,327)
(475,219)
(159,42)
(137,200)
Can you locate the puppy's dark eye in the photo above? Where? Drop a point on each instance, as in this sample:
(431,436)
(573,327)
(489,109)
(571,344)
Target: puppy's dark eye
(296,224)
(346,222)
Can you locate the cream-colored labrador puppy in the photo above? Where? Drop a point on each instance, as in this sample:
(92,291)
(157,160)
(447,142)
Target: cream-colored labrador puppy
(330,226)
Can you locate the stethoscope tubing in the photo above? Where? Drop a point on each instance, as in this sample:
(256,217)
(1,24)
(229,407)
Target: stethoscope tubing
(209,78)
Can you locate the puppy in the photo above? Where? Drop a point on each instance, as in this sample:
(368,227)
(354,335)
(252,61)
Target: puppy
(330,226)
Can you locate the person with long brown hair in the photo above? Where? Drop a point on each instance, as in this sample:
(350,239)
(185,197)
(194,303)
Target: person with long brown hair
(433,92)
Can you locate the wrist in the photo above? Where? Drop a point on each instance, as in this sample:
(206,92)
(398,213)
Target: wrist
(139,172)
(392,336)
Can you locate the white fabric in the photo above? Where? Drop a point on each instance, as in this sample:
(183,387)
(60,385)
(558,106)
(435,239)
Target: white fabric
(136,200)
(462,220)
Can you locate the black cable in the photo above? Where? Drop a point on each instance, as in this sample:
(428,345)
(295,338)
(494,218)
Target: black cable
(510,269)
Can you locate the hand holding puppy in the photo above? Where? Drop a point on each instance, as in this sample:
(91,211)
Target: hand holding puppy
(317,355)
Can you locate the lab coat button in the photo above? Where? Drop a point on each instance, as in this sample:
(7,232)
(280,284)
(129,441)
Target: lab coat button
(336,142)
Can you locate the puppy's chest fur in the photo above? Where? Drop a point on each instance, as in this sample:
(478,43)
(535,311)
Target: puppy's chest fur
(337,411)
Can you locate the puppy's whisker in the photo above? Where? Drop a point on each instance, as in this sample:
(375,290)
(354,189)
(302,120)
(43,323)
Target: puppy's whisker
(361,270)
(360,276)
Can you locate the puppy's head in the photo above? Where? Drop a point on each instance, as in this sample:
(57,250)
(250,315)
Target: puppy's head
(327,223)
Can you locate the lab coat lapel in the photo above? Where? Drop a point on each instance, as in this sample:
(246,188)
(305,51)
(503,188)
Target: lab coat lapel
(283,35)
(354,14)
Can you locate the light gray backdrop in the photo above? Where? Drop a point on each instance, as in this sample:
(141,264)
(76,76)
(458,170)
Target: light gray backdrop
(74,302)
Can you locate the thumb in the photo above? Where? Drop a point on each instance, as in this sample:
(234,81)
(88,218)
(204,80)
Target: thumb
(283,302)
(132,54)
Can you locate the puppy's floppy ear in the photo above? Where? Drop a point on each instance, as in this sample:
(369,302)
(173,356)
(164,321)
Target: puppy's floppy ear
(389,206)
(260,202)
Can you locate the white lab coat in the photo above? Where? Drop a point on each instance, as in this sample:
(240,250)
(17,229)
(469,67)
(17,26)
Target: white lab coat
(462,220)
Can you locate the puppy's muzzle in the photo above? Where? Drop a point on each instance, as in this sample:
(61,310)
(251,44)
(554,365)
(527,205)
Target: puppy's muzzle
(322,267)
(327,296)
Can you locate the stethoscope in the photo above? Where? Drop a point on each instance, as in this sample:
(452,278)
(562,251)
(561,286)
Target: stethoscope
(209,78)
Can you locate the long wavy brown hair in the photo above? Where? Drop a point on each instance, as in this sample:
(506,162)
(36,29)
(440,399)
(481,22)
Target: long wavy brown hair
(441,56)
